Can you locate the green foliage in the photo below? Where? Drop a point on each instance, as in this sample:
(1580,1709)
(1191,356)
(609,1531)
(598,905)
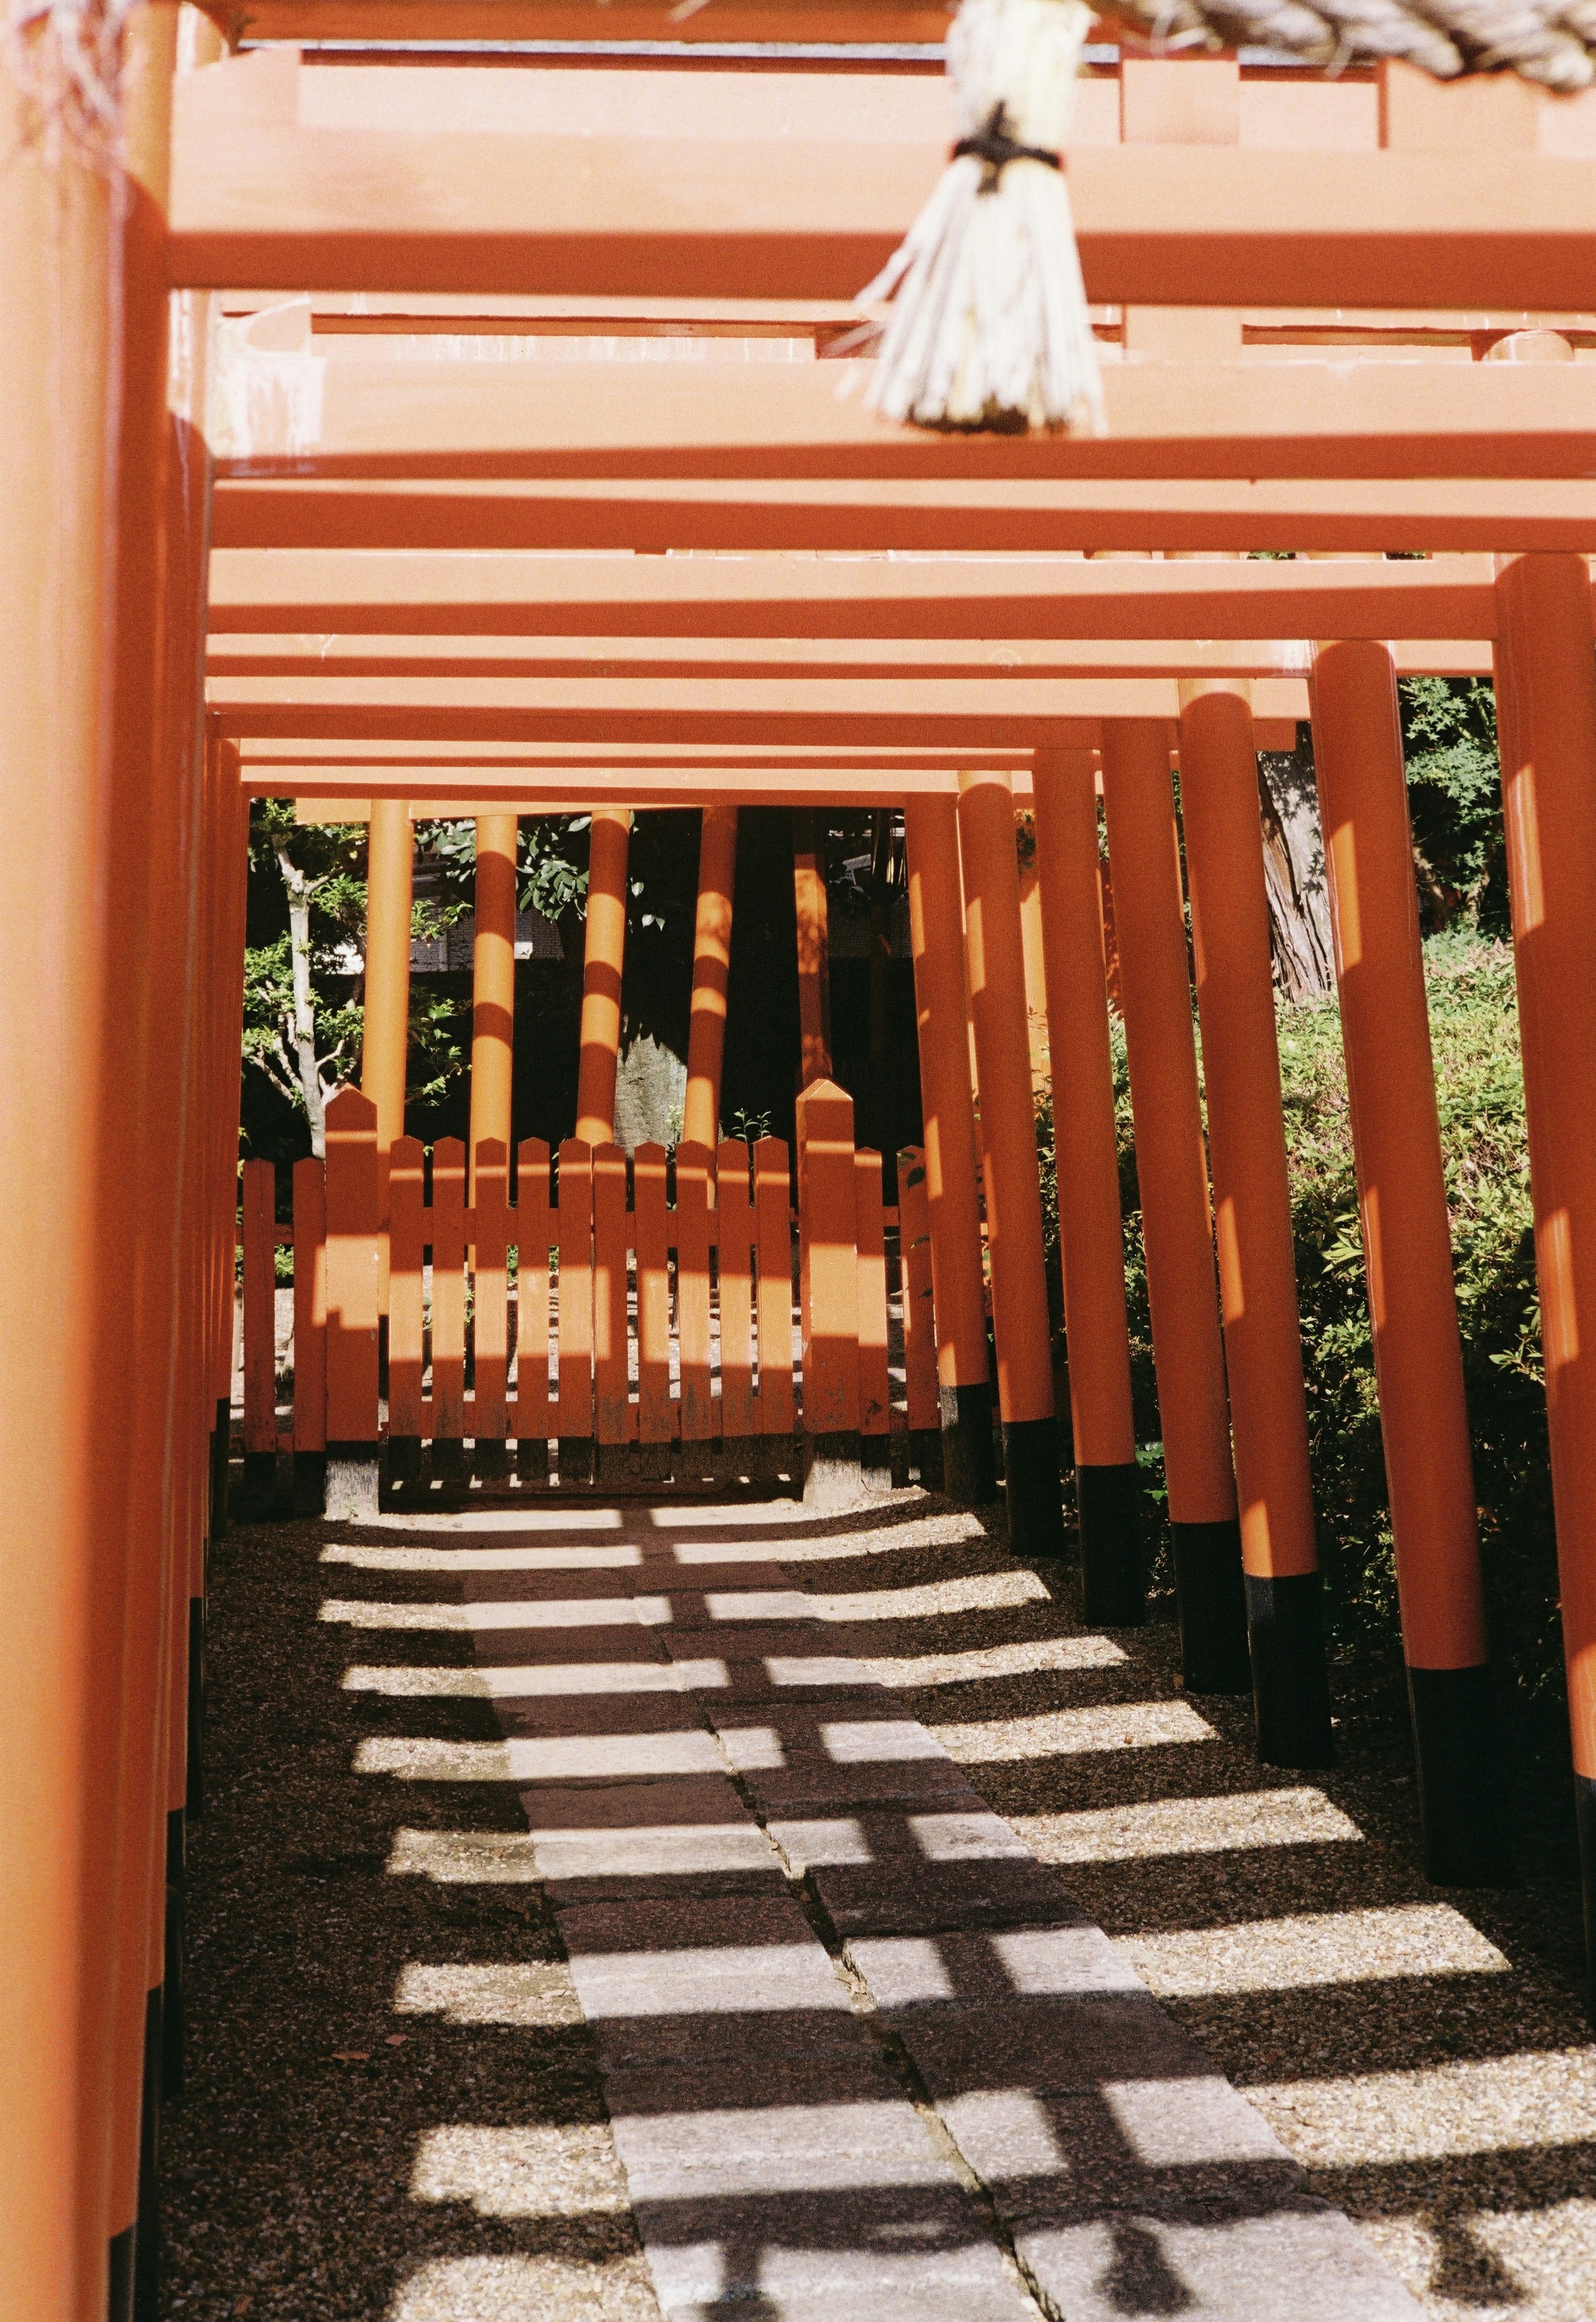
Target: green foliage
(1455,801)
(1480,1104)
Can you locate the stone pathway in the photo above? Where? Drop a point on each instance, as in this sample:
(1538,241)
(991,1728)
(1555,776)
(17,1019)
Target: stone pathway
(861,2055)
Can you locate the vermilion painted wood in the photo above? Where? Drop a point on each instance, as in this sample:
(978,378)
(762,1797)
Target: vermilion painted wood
(446,1227)
(259,1184)
(695,1190)
(656,1421)
(353,1226)
(385,1039)
(407,1413)
(493,982)
(611,1235)
(736,1225)
(1081,1079)
(828,1259)
(608,843)
(310,1308)
(772,1193)
(375,21)
(491,1225)
(712,959)
(539,605)
(574,1223)
(1143,852)
(914,1277)
(875,1390)
(844,516)
(535,1239)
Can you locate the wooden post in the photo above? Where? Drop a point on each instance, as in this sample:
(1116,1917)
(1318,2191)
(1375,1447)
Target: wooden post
(1547,724)
(260,1287)
(574,1418)
(995,966)
(1091,1242)
(651,1227)
(1396,1140)
(446,1231)
(385,1045)
(712,962)
(353,1262)
(1253,1201)
(493,984)
(601,974)
(772,1198)
(535,1237)
(1177,1226)
(612,1429)
(406,1308)
(310,1336)
(814,960)
(919,1319)
(1031,943)
(694,1180)
(828,1295)
(736,1225)
(875,1390)
(953,1197)
(492,1225)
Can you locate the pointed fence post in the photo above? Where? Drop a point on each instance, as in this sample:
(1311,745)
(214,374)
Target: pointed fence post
(575,1224)
(490,1226)
(406,1326)
(875,1389)
(828,1295)
(612,1403)
(354,1227)
(534,1236)
(650,1226)
(773,1400)
(310,1336)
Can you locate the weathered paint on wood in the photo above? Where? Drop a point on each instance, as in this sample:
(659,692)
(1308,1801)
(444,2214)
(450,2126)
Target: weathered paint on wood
(354,1225)
(447,1229)
(534,1236)
(490,1224)
(651,1227)
(610,1239)
(310,1305)
(407,1415)
(575,1223)
(259,1197)
(736,1223)
(869,1235)
(695,1171)
(773,1199)
(919,1329)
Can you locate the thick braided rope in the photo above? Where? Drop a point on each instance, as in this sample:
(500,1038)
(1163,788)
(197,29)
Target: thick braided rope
(66,58)
(1553,41)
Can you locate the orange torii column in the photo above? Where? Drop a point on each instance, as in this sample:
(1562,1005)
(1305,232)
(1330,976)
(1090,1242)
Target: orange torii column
(1021,1326)
(952,1196)
(1177,1227)
(1091,1240)
(1546,730)
(814,964)
(62,985)
(385,1048)
(1252,1201)
(712,962)
(493,984)
(1033,945)
(1357,746)
(605,957)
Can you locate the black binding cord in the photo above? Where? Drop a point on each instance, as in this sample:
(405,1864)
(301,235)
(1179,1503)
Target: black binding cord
(995,146)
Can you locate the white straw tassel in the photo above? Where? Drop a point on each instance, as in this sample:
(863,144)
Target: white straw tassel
(988,324)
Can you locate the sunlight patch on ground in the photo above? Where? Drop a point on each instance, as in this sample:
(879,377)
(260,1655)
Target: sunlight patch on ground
(997,1661)
(525,2290)
(366,1558)
(524,1991)
(1486,2106)
(528,1758)
(1357,1946)
(1252,1818)
(556,1678)
(560,2171)
(464,1858)
(978,1592)
(1064,1733)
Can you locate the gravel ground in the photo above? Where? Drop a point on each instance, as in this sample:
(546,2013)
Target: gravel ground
(393,2110)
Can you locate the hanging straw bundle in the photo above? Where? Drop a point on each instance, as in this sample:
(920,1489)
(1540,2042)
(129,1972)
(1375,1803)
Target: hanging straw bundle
(987,325)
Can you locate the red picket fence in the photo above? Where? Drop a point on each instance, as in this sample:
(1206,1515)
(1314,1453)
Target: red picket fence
(610,1305)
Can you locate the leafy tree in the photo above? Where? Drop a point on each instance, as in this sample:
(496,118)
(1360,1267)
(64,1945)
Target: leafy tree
(1455,801)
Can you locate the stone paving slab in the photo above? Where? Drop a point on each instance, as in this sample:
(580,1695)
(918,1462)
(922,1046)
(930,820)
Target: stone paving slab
(993,1965)
(1307,2262)
(1046,2044)
(737,2058)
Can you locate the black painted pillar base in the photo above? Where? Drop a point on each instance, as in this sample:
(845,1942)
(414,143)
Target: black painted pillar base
(404,1461)
(612,1466)
(173,2010)
(1211,1603)
(147,2235)
(575,1457)
(875,1462)
(1290,1684)
(833,1475)
(260,1484)
(1457,1753)
(194,1799)
(969,1469)
(532,1460)
(310,1483)
(119,2305)
(1032,1491)
(925,1458)
(1113,1578)
(221,1447)
(1584,1808)
(353,1471)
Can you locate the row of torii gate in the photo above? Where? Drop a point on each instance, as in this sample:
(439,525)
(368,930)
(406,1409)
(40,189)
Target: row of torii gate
(339,454)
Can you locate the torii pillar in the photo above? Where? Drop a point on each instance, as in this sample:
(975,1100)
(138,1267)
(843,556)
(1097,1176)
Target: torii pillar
(493,984)
(712,965)
(609,839)
(385,1048)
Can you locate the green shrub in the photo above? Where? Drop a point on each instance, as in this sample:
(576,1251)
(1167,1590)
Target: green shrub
(1480,1101)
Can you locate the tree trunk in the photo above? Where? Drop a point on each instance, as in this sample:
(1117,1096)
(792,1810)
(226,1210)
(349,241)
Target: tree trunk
(305,1013)
(1300,940)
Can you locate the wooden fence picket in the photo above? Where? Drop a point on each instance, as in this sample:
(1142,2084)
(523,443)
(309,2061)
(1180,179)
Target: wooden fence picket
(310,1336)
(406,1310)
(490,1226)
(650,1229)
(353,1229)
(611,1239)
(875,1390)
(772,1193)
(447,1232)
(736,1223)
(575,1222)
(257,1199)
(919,1328)
(694,1179)
(535,1239)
